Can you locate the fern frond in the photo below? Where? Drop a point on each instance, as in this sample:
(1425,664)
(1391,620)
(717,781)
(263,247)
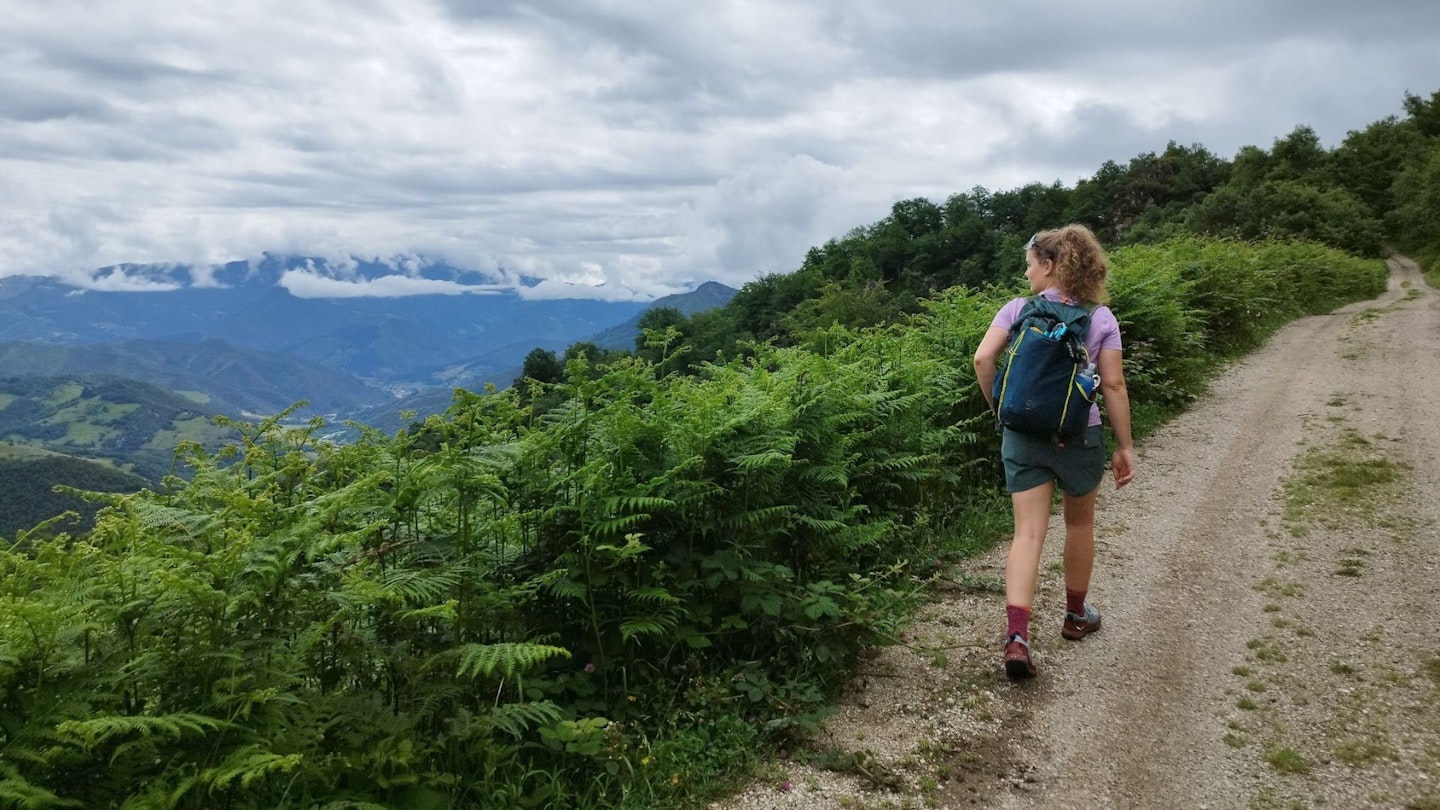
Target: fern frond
(756,461)
(653,596)
(90,733)
(823,475)
(820,524)
(647,626)
(754,517)
(15,791)
(614,526)
(637,503)
(508,658)
(419,585)
(445,611)
(249,765)
(516,719)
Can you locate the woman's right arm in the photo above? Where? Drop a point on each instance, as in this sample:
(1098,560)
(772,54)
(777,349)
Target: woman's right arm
(1117,408)
(987,358)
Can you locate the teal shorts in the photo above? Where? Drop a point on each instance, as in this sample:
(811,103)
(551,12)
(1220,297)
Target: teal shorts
(1031,461)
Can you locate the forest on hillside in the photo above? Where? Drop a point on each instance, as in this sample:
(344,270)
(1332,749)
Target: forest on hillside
(636,574)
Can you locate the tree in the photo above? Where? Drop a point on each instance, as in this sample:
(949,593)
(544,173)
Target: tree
(542,366)
(1415,219)
(1297,156)
(1289,209)
(1425,114)
(1367,162)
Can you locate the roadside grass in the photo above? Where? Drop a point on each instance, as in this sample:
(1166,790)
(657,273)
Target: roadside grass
(1342,482)
(1356,752)
(1287,760)
(1340,486)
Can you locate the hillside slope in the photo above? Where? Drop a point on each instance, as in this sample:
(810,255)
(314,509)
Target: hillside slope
(28,477)
(135,425)
(229,379)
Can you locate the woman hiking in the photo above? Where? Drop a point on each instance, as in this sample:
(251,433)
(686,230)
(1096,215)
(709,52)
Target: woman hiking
(1067,265)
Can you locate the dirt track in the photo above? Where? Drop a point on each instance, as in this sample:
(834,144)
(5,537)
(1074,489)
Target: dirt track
(1249,659)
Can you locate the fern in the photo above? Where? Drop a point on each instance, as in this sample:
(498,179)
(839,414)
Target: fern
(508,658)
(418,585)
(96,730)
(249,765)
(614,526)
(517,719)
(653,596)
(634,503)
(659,626)
(15,791)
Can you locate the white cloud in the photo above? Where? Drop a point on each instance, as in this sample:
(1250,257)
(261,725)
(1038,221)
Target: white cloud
(119,280)
(311,284)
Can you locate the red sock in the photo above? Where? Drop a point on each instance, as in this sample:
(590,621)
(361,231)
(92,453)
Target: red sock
(1018,620)
(1075,602)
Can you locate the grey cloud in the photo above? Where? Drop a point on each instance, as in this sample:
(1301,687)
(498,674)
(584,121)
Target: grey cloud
(29,104)
(636,147)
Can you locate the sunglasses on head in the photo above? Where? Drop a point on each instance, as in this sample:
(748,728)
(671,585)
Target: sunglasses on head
(1031,244)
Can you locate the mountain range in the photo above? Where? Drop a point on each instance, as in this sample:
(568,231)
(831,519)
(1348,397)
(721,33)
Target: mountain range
(248,345)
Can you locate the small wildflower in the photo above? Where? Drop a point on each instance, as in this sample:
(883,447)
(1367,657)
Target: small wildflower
(785,786)
(646,761)
(630,698)
(674,778)
(590,667)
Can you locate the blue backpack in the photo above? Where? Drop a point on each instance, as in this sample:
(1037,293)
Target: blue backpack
(1045,382)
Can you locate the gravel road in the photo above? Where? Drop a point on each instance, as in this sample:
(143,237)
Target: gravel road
(1271,590)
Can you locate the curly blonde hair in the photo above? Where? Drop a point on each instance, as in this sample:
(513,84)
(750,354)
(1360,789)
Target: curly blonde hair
(1080,262)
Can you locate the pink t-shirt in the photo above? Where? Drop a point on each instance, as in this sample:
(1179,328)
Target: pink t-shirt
(1104,330)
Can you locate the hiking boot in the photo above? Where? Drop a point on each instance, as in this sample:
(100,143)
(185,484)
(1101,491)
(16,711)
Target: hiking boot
(1078,627)
(1018,665)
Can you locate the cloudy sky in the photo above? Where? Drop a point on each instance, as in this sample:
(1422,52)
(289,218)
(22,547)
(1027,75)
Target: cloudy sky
(622,148)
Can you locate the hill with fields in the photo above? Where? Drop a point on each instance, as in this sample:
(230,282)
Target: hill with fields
(131,424)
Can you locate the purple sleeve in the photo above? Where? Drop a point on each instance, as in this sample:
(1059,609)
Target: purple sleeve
(1005,318)
(1104,331)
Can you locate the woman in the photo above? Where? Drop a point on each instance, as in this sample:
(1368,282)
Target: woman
(1067,265)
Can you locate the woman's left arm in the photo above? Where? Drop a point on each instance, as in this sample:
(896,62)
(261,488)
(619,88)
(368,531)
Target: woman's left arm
(1117,408)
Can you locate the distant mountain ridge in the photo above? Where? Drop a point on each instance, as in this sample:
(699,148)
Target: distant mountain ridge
(710,295)
(233,381)
(401,344)
(252,348)
(390,341)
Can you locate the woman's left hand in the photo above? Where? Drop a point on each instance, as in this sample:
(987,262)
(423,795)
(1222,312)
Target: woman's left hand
(1123,466)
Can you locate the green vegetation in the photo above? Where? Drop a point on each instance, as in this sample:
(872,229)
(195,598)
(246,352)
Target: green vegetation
(1349,484)
(28,478)
(1287,760)
(613,596)
(134,425)
(1362,752)
(624,581)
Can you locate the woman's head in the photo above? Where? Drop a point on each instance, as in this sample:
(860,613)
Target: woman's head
(1071,258)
